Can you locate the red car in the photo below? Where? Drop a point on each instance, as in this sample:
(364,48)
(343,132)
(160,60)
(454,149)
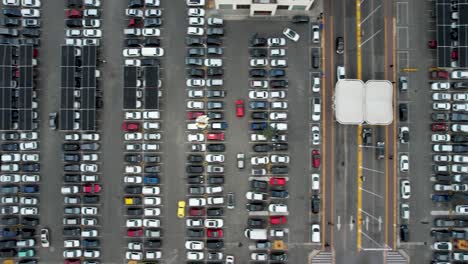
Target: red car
(73,13)
(240,108)
(439,127)
(133,22)
(439,74)
(432,44)
(91,188)
(215,136)
(197,211)
(132,232)
(72,261)
(315,158)
(130,126)
(278,181)
(215,233)
(194,114)
(454,55)
(278,220)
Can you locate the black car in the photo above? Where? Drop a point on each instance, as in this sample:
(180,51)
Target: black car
(90,243)
(150,62)
(152,22)
(300,19)
(71,167)
(459,234)
(28,261)
(315,59)
(282,256)
(258,42)
(460,85)
(195,233)
(255,207)
(458,117)
(71,157)
(90,199)
(9,22)
(152,169)
(195,158)
(152,42)
(90,146)
(216,147)
(71,178)
(10,147)
(441,256)
(315,204)
(279,193)
(153,243)
(257,73)
(9,220)
(29,41)
(214,51)
(278,83)
(403,112)
(215,256)
(30,167)
(74,23)
(71,231)
(194,169)
(261,148)
(256,222)
(132,42)
(215,115)
(28,232)
(443,177)
(198,190)
(214,41)
(215,72)
(70,147)
(7,244)
(152,158)
(135,3)
(259,115)
(215,93)
(366,136)
(10,12)
(195,179)
(459,138)
(133,189)
(192,52)
(29,221)
(460,148)
(9,41)
(280,146)
(7,253)
(214,212)
(74,3)
(277,73)
(216,180)
(259,185)
(133,158)
(194,72)
(212,31)
(339,45)
(440,117)
(258,53)
(214,244)
(194,41)
(194,61)
(135,211)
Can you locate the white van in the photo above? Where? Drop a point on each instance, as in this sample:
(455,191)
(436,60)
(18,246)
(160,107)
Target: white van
(152,52)
(255,234)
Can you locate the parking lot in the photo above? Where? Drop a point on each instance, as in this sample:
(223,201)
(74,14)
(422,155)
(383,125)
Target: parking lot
(114,172)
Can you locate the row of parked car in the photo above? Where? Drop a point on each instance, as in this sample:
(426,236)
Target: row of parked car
(267,207)
(205,163)
(449,138)
(19,201)
(21,22)
(83,21)
(81,197)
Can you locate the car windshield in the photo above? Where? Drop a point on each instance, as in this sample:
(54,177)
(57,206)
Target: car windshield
(291,33)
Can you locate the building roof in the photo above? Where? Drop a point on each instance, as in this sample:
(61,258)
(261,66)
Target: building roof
(378,102)
(349,101)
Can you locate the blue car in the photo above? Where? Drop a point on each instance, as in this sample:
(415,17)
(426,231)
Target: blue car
(7,232)
(219,125)
(258,125)
(30,189)
(277,73)
(441,198)
(151,179)
(258,105)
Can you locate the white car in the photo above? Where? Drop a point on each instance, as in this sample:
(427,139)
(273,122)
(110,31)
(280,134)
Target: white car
(278,208)
(315,135)
(291,34)
(71,243)
(405,211)
(258,62)
(90,157)
(446,246)
(460,107)
(259,160)
(315,178)
(460,97)
(151,32)
(195,137)
(279,159)
(133,179)
(213,62)
(195,105)
(315,233)
(10,178)
(459,128)
(195,82)
(89,210)
(258,94)
(441,96)
(278,115)
(72,253)
(131,12)
(195,93)
(92,3)
(443,187)
(196,21)
(259,256)
(133,62)
(214,158)
(152,200)
(317,109)
(30,13)
(279,126)
(133,169)
(153,255)
(73,33)
(194,245)
(279,105)
(29,200)
(133,115)
(255,196)
(459,74)
(340,73)
(194,222)
(315,34)
(277,94)
(196,12)
(215,189)
(279,63)
(28,146)
(405,189)
(404,163)
(151,222)
(316,85)
(195,2)
(88,167)
(152,211)
(440,138)
(92,136)
(277,52)
(151,125)
(133,255)
(196,202)
(192,255)
(91,253)
(258,84)
(459,168)
(151,190)
(135,246)
(276,41)
(131,53)
(11,2)
(441,106)
(195,31)
(153,12)
(151,115)
(215,200)
(437,86)
(461,209)
(11,157)
(442,148)
(257,137)
(460,158)
(30,178)
(29,211)
(92,33)
(134,223)
(133,136)
(214,223)
(31,3)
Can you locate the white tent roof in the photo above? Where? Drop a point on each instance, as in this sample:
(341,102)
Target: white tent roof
(356,102)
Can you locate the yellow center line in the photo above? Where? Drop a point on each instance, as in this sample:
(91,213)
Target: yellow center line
(359,137)
(324,140)
(394,133)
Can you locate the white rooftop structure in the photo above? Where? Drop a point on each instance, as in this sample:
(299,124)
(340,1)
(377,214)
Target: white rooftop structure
(357,103)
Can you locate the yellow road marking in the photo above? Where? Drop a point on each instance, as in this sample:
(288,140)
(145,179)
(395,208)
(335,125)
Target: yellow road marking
(324,139)
(359,137)
(386,136)
(332,140)
(394,142)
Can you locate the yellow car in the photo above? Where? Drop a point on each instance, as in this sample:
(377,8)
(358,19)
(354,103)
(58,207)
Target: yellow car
(181,209)
(132,200)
